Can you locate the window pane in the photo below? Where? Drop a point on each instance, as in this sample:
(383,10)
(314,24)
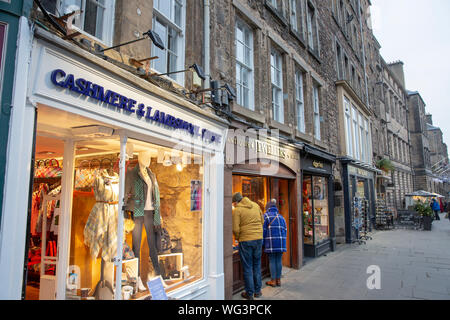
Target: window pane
(69,6)
(308,223)
(294,15)
(239,52)
(177,17)
(321,218)
(163,6)
(160,64)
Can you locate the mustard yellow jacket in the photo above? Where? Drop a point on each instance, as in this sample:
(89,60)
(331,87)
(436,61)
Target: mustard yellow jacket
(248,221)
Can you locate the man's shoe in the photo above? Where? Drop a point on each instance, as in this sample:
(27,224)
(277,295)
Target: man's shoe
(257,295)
(271,283)
(245,295)
(278,281)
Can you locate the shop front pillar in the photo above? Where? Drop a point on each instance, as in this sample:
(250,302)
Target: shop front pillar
(19,166)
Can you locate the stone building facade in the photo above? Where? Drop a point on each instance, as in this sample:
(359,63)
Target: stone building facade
(439,158)
(397,134)
(420,145)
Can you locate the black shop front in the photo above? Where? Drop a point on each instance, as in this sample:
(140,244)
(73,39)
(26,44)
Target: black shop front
(317,201)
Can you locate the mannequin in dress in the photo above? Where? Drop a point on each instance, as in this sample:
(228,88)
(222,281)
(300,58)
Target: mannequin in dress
(142,192)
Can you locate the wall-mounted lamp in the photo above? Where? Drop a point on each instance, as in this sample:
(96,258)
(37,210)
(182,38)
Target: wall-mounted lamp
(154,37)
(220,95)
(195,67)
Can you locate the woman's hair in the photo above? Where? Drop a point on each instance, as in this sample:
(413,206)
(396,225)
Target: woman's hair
(271,203)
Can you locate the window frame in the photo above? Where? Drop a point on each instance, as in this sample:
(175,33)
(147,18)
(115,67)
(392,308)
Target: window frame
(242,64)
(171,26)
(348,126)
(108,20)
(312,28)
(300,100)
(316,111)
(279,117)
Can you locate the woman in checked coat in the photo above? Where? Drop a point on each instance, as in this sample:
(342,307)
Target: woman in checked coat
(274,234)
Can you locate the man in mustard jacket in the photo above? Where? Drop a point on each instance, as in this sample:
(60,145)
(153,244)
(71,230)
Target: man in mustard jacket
(248,230)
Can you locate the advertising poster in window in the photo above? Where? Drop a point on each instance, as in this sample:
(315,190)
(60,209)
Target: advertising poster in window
(196,195)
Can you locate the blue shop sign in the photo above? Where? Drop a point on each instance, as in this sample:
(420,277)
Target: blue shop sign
(87,88)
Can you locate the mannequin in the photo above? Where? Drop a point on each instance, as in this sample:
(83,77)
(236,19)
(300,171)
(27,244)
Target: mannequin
(142,198)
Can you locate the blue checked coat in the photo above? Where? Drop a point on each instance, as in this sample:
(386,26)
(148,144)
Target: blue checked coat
(275,234)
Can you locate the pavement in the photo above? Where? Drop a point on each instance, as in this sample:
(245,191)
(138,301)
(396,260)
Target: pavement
(413,264)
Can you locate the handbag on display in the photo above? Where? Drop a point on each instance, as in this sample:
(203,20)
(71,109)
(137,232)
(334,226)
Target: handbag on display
(127,253)
(39,169)
(128,222)
(178,247)
(52,171)
(163,242)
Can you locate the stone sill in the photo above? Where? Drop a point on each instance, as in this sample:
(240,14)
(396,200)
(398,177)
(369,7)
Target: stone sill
(280,126)
(249,114)
(276,13)
(304,136)
(315,54)
(297,36)
(320,144)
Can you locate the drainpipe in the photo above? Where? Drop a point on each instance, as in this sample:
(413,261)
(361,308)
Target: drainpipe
(206,38)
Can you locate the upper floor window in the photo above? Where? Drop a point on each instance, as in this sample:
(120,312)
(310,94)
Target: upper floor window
(244,65)
(348,126)
(169,23)
(276,66)
(299,101)
(356,133)
(317,134)
(311,24)
(96,18)
(339,61)
(274,3)
(297,16)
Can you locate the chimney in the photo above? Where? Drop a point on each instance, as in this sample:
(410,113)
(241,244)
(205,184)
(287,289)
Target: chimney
(397,69)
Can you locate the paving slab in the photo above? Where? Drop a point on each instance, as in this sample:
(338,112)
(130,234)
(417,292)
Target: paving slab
(414,265)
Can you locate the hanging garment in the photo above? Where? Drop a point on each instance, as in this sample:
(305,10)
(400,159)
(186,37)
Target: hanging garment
(100,232)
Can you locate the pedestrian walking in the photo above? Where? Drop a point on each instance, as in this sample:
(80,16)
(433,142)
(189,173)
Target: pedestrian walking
(274,233)
(436,208)
(248,230)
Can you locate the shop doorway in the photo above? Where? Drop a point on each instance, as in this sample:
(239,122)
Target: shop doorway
(261,190)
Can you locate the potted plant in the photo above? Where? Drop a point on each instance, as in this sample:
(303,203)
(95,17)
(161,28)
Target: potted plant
(425,211)
(385,165)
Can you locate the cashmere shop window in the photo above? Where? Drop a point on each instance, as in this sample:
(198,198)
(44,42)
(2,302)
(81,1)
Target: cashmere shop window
(163,212)
(164,193)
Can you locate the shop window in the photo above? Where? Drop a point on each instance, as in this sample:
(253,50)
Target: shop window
(276,64)
(315,209)
(244,65)
(163,200)
(96,18)
(163,213)
(169,23)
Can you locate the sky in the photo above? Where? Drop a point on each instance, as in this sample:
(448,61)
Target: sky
(417,32)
